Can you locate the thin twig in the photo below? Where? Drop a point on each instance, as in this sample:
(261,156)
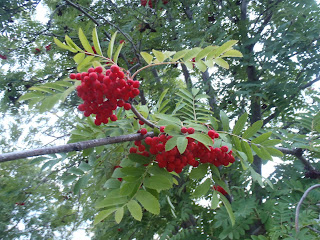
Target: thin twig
(300,203)
(140,117)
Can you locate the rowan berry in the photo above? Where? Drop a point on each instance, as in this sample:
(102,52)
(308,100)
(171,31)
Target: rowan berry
(162,128)
(127,106)
(133,150)
(143,131)
(190,130)
(184,130)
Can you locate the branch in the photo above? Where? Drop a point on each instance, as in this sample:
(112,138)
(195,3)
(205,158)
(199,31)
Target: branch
(76,6)
(299,205)
(297,152)
(140,117)
(5,157)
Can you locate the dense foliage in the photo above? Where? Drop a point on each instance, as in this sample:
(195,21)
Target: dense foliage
(260,95)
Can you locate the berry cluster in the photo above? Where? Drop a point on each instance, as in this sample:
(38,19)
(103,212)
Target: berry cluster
(103,91)
(151,2)
(194,154)
(4,57)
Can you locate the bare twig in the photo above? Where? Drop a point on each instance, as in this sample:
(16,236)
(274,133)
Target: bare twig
(300,203)
(140,117)
(5,157)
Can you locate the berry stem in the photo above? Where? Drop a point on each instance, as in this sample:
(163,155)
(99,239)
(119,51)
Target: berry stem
(140,117)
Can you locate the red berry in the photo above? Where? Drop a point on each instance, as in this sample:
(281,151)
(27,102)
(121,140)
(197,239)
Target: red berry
(162,128)
(143,131)
(136,84)
(127,106)
(113,118)
(114,68)
(148,140)
(99,69)
(190,130)
(73,76)
(224,149)
(133,150)
(184,130)
(141,122)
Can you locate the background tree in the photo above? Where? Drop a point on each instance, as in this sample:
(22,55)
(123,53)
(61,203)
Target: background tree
(273,82)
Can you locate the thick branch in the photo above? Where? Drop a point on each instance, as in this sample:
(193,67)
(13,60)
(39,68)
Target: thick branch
(300,203)
(140,117)
(297,152)
(5,157)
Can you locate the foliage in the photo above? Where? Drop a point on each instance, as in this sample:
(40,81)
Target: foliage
(263,58)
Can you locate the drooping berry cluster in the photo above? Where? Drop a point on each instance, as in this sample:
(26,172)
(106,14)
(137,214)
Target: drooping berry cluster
(194,154)
(103,91)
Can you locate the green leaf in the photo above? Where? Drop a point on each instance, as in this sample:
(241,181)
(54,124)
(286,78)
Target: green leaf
(76,171)
(117,53)
(265,153)
(31,95)
(182,143)
(202,137)
(214,122)
(157,182)
(180,55)
(204,52)
(237,143)
(134,171)
(84,41)
(201,66)
(316,122)
(112,183)
(128,188)
(274,152)
(69,179)
(147,57)
(244,160)
(135,210)
(81,183)
(171,143)
(79,57)
(232,53)
(111,201)
(62,45)
(148,201)
(119,215)
(225,47)
(240,124)
(214,200)
(199,172)
(192,53)
(202,189)
(262,138)
(271,142)
(111,44)
(159,55)
(103,214)
(139,158)
(85,63)
(225,121)
(247,150)
(252,130)
(221,62)
(71,43)
(228,207)
(168,118)
(95,41)
(85,166)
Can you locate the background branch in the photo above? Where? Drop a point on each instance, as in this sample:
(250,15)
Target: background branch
(299,205)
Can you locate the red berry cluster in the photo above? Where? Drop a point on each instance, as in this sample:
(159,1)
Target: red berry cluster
(4,57)
(220,189)
(151,2)
(103,91)
(194,154)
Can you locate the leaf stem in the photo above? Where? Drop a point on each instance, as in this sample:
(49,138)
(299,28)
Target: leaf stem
(151,65)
